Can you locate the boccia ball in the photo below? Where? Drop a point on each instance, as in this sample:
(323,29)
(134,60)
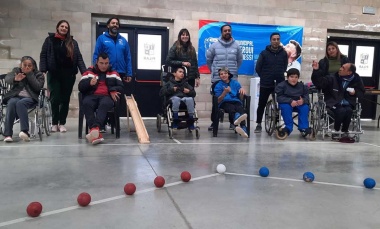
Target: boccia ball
(185,176)
(159,182)
(308,177)
(34,209)
(369,183)
(221,168)
(84,199)
(129,188)
(264,171)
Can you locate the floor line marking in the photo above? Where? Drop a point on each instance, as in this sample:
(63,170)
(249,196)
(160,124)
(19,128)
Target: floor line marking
(300,180)
(53,212)
(178,142)
(371,144)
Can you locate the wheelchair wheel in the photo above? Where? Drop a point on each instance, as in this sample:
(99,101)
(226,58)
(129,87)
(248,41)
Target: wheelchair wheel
(281,135)
(38,123)
(47,117)
(197,135)
(315,118)
(357,128)
(158,123)
(45,123)
(270,117)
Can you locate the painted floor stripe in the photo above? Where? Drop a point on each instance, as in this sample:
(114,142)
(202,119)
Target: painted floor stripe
(7,223)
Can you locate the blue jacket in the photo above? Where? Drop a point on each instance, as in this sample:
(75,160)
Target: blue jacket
(118,52)
(233,96)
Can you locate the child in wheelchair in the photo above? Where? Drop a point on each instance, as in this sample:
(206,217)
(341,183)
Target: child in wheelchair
(293,96)
(178,90)
(340,94)
(230,95)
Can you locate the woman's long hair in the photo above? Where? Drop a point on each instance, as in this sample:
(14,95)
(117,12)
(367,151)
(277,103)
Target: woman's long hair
(68,40)
(184,47)
(333,43)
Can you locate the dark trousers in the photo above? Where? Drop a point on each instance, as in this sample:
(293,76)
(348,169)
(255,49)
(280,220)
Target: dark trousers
(263,99)
(60,85)
(17,107)
(232,108)
(95,109)
(342,116)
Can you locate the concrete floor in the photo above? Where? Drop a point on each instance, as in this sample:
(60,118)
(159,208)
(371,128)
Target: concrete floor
(60,167)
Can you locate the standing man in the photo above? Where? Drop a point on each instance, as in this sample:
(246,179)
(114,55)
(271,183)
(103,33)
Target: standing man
(270,66)
(117,48)
(225,52)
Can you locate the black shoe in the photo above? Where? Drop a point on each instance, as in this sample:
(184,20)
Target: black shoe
(211,128)
(258,129)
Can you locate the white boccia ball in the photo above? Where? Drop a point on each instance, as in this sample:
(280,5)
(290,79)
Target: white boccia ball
(221,168)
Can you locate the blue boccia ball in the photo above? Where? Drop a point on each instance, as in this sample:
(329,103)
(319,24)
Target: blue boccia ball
(308,177)
(264,171)
(369,183)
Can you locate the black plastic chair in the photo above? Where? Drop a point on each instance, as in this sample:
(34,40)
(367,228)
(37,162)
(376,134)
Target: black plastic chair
(113,117)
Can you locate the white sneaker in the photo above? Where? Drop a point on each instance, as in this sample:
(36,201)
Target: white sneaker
(54,128)
(62,129)
(24,136)
(8,139)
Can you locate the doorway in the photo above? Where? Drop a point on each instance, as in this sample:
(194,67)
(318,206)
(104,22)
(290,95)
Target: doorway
(365,54)
(149,47)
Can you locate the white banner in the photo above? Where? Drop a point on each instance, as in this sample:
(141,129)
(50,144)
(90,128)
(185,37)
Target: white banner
(149,52)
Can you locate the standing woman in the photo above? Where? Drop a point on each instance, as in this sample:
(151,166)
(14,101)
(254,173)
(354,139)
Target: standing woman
(26,82)
(182,53)
(333,60)
(60,57)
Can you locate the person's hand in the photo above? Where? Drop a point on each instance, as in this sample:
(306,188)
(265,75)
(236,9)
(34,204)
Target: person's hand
(186,64)
(227,89)
(93,81)
(293,103)
(186,90)
(197,82)
(300,101)
(315,65)
(20,76)
(175,88)
(351,90)
(242,91)
(127,79)
(115,95)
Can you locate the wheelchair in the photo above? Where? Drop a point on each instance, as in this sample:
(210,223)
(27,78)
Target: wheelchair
(324,119)
(218,113)
(273,119)
(166,117)
(40,122)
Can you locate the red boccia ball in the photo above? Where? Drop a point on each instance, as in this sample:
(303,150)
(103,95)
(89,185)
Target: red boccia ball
(84,199)
(130,188)
(185,176)
(159,182)
(34,209)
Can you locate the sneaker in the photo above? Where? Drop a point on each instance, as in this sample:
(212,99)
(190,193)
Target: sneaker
(94,134)
(97,140)
(305,132)
(211,127)
(258,129)
(62,129)
(8,139)
(242,130)
(232,126)
(54,128)
(239,118)
(24,136)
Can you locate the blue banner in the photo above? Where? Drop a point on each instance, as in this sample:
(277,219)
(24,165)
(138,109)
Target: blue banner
(252,39)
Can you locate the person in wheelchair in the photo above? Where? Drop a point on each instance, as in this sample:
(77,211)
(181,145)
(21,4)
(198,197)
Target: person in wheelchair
(101,87)
(230,95)
(177,89)
(293,96)
(341,91)
(26,82)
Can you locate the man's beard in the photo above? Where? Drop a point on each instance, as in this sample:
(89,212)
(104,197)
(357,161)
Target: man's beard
(227,37)
(114,30)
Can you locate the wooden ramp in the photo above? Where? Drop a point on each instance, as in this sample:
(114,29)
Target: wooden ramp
(133,111)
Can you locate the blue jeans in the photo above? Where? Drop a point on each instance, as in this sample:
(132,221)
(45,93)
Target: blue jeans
(303,113)
(189,101)
(17,107)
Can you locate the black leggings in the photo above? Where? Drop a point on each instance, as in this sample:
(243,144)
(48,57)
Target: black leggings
(263,99)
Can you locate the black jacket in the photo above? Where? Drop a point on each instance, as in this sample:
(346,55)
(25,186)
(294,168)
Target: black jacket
(48,62)
(271,66)
(33,83)
(168,89)
(112,78)
(333,90)
(175,59)
(324,64)
(286,92)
